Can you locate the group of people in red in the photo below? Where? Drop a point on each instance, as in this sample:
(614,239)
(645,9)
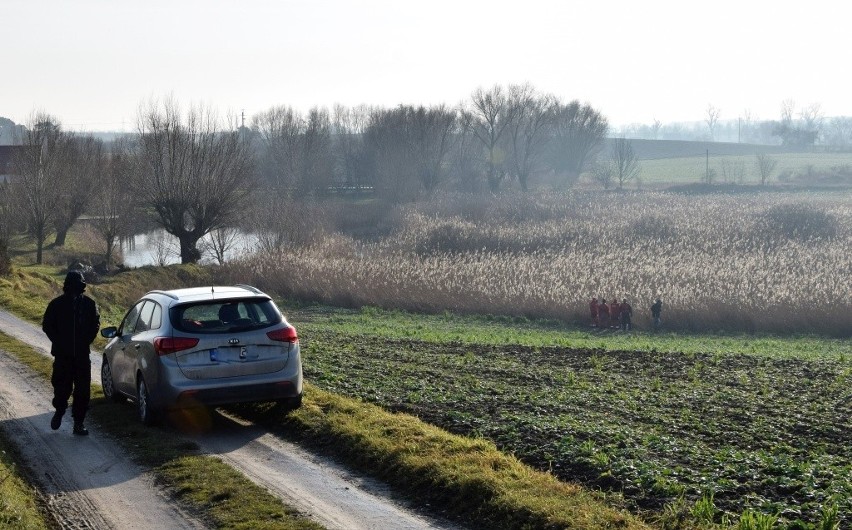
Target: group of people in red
(612,314)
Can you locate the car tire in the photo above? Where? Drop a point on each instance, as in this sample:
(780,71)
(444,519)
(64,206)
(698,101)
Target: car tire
(289,404)
(107,384)
(147,414)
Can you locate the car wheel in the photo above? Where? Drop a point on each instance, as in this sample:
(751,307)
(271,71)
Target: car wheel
(147,415)
(107,384)
(289,404)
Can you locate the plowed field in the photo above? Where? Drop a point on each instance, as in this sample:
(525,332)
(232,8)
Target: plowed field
(756,432)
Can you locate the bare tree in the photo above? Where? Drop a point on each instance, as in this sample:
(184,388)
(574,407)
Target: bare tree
(812,118)
(432,135)
(298,148)
(388,140)
(655,129)
(765,166)
(314,164)
(280,128)
(579,132)
(733,170)
(348,125)
(802,133)
(839,131)
(466,160)
(712,119)
(492,115)
(84,161)
(113,206)
(39,166)
(6,226)
(788,107)
(528,133)
(195,175)
(602,172)
(220,242)
(625,163)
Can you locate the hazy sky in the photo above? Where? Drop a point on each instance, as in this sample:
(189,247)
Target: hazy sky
(92,62)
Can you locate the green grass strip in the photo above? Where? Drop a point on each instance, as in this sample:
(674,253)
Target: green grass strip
(468,478)
(19,502)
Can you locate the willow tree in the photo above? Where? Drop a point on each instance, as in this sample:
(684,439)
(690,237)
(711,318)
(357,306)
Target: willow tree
(40,166)
(579,132)
(193,172)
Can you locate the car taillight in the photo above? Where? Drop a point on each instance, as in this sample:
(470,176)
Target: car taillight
(167,345)
(287,334)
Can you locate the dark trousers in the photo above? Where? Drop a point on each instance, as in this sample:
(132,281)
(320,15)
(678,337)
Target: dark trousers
(72,376)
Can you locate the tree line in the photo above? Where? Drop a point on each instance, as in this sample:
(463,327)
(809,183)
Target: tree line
(194,172)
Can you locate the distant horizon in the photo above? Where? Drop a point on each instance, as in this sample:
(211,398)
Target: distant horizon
(95,62)
(613,128)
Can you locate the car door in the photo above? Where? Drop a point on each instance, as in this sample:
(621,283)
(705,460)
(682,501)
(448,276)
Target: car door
(121,362)
(141,354)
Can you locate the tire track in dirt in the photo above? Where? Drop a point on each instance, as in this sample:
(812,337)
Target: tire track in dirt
(86,482)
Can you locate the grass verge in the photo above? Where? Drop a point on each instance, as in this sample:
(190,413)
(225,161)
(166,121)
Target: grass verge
(468,478)
(19,503)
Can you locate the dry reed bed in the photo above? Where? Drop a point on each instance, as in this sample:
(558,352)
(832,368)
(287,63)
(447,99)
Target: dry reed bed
(772,262)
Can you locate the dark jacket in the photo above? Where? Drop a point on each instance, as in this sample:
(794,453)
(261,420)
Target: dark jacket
(71,323)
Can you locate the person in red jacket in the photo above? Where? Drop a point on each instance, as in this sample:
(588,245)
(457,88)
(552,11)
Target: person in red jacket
(603,314)
(593,310)
(614,313)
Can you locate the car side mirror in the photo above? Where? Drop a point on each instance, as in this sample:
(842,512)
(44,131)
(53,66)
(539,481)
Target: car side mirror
(109,332)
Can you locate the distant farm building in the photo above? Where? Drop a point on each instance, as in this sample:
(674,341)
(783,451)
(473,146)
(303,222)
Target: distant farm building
(7,153)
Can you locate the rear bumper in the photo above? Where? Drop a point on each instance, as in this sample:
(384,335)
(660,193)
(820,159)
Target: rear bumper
(238,394)
(175,389)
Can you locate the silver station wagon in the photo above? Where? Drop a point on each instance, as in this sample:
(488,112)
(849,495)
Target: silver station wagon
(202,346)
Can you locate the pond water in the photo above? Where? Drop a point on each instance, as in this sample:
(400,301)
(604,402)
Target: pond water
(161,248)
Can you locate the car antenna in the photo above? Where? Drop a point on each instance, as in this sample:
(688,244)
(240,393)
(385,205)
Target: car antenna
(212,291)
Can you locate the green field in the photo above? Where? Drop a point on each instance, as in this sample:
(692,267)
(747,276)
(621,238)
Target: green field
(751,425)
(691,169)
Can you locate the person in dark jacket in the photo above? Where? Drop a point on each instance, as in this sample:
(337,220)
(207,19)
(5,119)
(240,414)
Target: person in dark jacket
(626,313)
(71,322)
(603,314)
(656,310)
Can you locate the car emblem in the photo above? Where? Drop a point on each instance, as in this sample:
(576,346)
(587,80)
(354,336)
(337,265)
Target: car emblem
(233,341)
(243,352)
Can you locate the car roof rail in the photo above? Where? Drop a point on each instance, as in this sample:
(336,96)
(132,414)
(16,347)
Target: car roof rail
(164,293)
(251,288)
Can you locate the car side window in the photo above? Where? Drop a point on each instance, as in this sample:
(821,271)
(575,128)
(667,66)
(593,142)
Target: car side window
(129,322)
(144,322)
(156,316)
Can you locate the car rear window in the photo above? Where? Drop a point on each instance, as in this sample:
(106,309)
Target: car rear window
(225,316)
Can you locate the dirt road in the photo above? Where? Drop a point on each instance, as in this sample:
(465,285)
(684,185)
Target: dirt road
(87,482)
(333,496)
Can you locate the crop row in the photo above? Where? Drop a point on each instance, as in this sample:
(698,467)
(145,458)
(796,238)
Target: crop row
(755,433)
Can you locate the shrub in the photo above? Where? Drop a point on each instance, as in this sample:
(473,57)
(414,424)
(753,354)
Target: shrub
(653,227)
(799,221)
